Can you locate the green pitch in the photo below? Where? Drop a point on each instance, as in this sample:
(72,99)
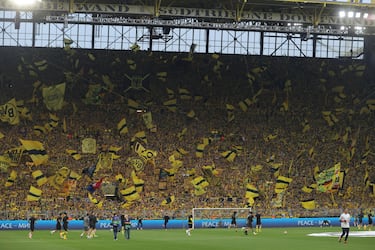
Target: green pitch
(176,239)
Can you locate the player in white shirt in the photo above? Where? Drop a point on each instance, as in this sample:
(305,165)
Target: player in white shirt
(345,225)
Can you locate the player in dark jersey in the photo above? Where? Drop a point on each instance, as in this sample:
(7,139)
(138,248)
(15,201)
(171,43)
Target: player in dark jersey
(58,225)
(249,223)
(32,220)
(258,222)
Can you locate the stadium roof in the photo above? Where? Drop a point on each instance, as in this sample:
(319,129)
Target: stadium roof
(306,7)
(309,13)
(249,4)
(303,6)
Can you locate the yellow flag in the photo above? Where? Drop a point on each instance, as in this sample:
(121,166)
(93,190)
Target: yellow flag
(181,134)
(132,64)
(309,189)
(200,181)
(149,154)
(108,83)
(137,163)
(184,94)
(53,122)
(275,168)
(180,152)
(147,119)
(36,151)
(282,183)
(64,125)
(59,177)
(176,164)
(191,172)
(251,191)
(171,105)
(191,114)
(91,56)
(138,183)
(199,150)
(285,105)
(74,153)
(122,127)
(199,191)
(250,202)
(11,179)
(230,112)
(39,130)
(34,194)
(53,96)
(371,104)
(308,204)
(366,179)
(230,155)
(74,175)
(170,93)
(41,65)
(270,137)
(5,163)
(139,149)
(9,112)
(120,178)
(130,194)
(168,200)
(244,105)
(14,155)
(92,95)
(133,106)
(162,76)
(89,146)
(40,178)
(141,135)
(113,150)
(105,161)
(135,47)
(93,200)
(330,118)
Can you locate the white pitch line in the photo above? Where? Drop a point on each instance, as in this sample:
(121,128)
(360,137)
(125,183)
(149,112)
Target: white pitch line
(351,234)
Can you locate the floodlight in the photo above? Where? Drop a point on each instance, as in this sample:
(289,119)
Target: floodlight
(357,14)
(25,2)
(350,14)
(342,14)
(365,15)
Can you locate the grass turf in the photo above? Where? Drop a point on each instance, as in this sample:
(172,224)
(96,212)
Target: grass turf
(176,239)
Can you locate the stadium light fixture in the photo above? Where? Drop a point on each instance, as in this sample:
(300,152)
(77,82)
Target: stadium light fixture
(25,2)
(342,14)
(353,14)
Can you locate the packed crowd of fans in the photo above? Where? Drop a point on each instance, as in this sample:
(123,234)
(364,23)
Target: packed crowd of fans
(296,114)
